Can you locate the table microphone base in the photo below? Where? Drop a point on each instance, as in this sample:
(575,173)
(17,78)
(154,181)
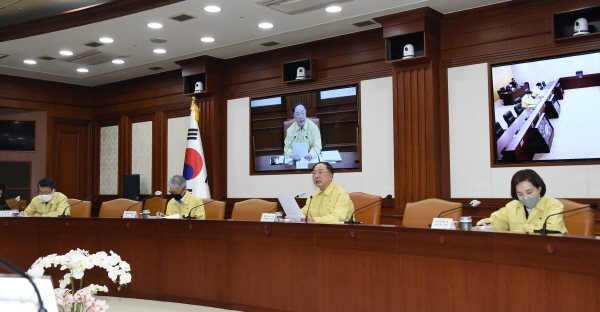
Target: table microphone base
(65,216)
(189,218)
(547,232)
(352,222)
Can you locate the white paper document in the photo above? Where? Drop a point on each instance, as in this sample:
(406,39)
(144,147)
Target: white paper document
(291,208)
(300,149)
(175,216)
(330,156)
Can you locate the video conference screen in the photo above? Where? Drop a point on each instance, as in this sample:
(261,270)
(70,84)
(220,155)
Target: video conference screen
(17,135)
(293,132)
(544,110)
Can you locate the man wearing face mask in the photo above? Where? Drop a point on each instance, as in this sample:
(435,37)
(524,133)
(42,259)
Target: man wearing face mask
(48,203)
(529,209)
(183,201)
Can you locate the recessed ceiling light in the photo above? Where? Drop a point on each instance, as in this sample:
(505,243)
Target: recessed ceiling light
(212,9)
(82,70)
(265,25)
(155,25)
(66,52)
(106,40)
(333,9)
(160,51)
(30,62)
(207,39)
(118,61)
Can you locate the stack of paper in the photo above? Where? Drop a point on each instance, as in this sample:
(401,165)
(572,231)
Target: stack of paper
(330,156)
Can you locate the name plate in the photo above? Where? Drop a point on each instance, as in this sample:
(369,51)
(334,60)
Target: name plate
(302,164)
(130,214)
(443,224)
(268,217)
(6,213)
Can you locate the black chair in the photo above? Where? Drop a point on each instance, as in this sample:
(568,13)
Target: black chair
(518,109)
(509,117)
(543,83)
(517,100)
(498,130)
(501,91)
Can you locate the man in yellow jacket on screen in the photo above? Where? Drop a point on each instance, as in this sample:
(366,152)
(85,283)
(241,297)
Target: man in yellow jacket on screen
(301,131)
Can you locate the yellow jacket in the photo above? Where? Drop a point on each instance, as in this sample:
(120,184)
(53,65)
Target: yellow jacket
(512,216)
(189,202)
(526,101)
(55,207)
(296,135)
(331,205)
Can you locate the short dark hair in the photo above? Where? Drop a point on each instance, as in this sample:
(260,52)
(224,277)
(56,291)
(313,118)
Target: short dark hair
(538,84)
(2,188)
(526,175)
(327,165)
(46,182)
(296,105)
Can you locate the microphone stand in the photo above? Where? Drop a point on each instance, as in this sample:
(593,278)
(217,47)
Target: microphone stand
(79,202)
(143,200)
(543,231)
(308,209)
(9,266)
(189,216)
(8,204)
(351,222)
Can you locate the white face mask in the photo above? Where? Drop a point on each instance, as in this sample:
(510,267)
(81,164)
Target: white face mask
(46,198)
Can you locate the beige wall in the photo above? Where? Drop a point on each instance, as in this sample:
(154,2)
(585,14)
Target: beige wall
(502,76)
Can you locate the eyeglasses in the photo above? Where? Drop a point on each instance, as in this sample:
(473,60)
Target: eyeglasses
(45,193)
(300,113)
(319,172)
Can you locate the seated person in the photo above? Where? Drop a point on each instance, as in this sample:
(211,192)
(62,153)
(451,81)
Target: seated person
(537,90)
(48,203)
(513,83)
(527,100)
(302,130)
(529,209)
(183,201)
(3,203)
(330,203)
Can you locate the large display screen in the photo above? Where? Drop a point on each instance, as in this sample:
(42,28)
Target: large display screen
(17,135)
(544,110)
(292,132)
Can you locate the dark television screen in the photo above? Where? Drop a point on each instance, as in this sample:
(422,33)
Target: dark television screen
(17,135)
(545,110)
(287,136)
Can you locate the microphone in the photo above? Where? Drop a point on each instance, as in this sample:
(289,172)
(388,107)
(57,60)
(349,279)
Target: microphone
(18,198)
(157,193)
(352,216)
(544,231)
(9,266)
(473,203)
(285,151)
(79,202)
(308,209)
(279,206)
(189,216)
(311,146)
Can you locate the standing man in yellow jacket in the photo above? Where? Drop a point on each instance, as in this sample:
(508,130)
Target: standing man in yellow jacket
(183,202)
(302,130)
(330,203)
(48,203)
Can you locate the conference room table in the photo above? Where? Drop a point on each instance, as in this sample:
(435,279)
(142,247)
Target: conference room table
(254,266)
(350,160)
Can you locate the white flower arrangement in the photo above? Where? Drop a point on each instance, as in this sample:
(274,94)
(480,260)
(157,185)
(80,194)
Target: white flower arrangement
(77,261)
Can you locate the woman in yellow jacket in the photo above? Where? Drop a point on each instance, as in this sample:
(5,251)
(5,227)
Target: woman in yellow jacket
(529,209)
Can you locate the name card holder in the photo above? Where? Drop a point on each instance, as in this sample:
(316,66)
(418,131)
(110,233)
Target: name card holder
(443,224)
(268,217)
(130,214)
(6,213)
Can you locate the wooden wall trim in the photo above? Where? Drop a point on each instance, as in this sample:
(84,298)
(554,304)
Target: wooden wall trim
(89,15)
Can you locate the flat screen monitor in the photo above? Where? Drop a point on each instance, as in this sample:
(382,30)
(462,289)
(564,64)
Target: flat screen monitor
(545,110)
(17,135)
(292,132)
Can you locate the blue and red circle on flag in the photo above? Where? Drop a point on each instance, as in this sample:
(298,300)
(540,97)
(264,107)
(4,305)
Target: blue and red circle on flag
(192,164)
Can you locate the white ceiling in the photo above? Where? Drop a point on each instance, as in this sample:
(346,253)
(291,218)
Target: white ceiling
(234,28)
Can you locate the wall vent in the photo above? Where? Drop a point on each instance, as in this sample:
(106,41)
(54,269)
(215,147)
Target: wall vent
(92,57)
(182,17)
(155,68)
(93,44)
(293,7)
(46,58)
(269,44)
(3,55)
(364,23)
